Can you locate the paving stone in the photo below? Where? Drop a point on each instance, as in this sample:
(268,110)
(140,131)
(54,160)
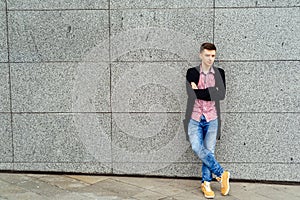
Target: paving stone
(111,188)
(149,195)
(89,179)
(63,182)
(147,183)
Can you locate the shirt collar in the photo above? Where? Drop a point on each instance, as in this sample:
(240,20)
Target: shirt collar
(211,70)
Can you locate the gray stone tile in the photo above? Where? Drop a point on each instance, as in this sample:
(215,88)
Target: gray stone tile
(271,171)
(34,188)
(151,34)
(3,36)
(263,33)
(4,88)
(166,169)
(6,149)
(62,182)
(261,86)
(7,189)
(6,166)
(48,4)
(58,35)
(24,196)
(263,191)
(149,195)
(191,196)
(147,138)
(260,138)
(119,4)
(2,5)
(146,183)
(112,188)
(60,87)
(168,189)
(76,167)
(242,171)
(149,87)
(62,138)
(254,3)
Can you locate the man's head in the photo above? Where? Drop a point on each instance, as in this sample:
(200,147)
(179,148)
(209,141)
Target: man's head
(207,54)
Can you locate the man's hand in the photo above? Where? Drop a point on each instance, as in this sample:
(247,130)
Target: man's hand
(194,86)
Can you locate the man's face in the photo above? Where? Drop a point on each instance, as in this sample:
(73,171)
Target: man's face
(208,57)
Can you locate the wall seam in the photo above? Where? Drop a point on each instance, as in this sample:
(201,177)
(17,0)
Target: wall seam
(10,87)
(110,86)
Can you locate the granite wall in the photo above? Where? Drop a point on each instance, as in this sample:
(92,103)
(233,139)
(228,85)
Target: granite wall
(98,86)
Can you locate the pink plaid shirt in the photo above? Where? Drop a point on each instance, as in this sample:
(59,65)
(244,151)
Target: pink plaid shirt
(207,108)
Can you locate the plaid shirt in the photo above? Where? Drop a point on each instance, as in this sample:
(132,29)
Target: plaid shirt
(207,108)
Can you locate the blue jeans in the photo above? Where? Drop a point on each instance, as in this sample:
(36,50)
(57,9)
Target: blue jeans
(203,137)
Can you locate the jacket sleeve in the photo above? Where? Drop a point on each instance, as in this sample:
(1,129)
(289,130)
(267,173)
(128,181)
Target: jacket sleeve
(218,92)
(192,75)
(215,93)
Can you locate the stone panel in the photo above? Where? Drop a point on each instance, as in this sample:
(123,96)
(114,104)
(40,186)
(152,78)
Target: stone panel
(4,88)
(62,138)
(73,167)
(154,34)
(258,34)
(6,149)
(238,171)
(260,138)
(3,37)
(37,36)
(147,138)
(262,86)
(50,4)
(60,87)
(256,3)
(119,4)
(149,87)
(6,166)
(2,5)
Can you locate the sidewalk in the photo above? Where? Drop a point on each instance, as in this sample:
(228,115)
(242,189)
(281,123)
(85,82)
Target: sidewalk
(62,187)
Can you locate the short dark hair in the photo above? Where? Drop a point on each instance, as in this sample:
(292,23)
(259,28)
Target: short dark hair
(207,46)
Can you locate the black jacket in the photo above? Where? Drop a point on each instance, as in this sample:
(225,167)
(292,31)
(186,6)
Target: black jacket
(215,93)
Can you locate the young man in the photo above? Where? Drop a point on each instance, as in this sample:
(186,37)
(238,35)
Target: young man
(208,84)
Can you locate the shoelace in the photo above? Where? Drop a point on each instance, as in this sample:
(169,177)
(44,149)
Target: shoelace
(207,187)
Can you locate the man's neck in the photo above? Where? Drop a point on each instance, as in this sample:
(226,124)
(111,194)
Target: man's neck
(205,68)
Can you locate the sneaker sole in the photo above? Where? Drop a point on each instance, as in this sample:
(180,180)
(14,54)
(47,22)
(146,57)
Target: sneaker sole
(209,197)
(227,191)
(206,196)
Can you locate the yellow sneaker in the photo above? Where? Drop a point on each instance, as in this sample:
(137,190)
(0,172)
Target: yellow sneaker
(208,193)
(224,180)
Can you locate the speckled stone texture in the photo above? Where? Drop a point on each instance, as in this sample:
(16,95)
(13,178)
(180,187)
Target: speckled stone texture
(149,138)
(149,87)
(256,3)
(57,35)
(6,149)
(81,167)
(119,4)
(2,5)
(172,34)
(49,4)
(4,88)
(62,138)
(260,138)
(258,34)
(271,86)
(60,87)
(3,36)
